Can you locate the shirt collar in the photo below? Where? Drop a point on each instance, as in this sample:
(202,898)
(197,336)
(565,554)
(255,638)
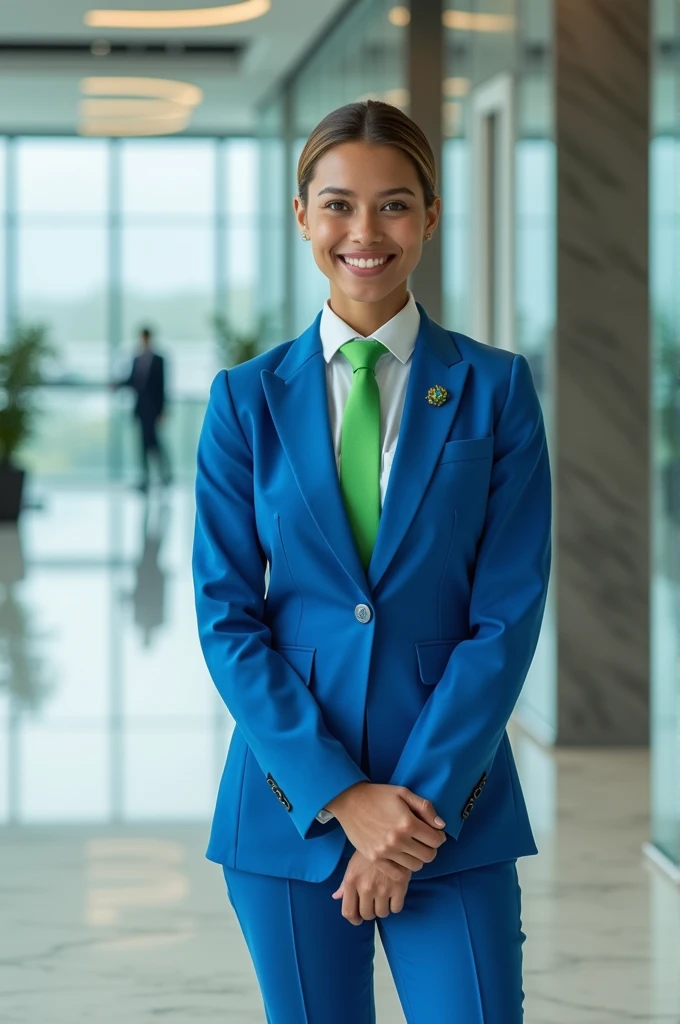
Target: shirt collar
(398,334)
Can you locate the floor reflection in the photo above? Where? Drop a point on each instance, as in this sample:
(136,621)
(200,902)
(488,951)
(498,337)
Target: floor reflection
(25,676)
(107,712)
(148,596)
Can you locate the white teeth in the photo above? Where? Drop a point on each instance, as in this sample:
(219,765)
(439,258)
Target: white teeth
(365,263)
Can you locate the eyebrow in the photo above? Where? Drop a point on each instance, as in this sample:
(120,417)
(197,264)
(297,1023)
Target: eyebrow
(385,192)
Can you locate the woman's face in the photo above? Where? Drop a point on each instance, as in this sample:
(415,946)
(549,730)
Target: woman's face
(349,212)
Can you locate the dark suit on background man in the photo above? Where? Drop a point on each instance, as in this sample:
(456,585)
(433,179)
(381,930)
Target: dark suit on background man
(147,379)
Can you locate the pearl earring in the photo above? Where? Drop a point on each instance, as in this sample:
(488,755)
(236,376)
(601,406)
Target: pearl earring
(304,237)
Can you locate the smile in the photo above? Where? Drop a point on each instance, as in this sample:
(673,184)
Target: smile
(366,267)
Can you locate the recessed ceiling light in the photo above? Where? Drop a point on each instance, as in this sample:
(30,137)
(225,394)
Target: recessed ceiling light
(166,88)
(399,16)
(136,106)
(468,21)
(156,109)
(199,17)
(463,21)
(109,126)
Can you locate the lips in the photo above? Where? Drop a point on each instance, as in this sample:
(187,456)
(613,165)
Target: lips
(366,256)
(367,272)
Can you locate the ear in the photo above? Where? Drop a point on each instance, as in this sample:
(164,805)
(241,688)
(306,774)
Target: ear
(300,212)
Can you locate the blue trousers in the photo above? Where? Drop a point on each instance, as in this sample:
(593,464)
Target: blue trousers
(454,950)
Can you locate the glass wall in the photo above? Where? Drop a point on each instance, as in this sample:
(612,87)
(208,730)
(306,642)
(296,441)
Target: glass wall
(665,297)
(498,179)
(102,237)
(276,225)
(62,191)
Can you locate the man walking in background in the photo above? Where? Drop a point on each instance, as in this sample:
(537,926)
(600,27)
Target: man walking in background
(147,379)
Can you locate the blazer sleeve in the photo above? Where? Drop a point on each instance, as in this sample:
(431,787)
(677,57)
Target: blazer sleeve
(276,712)
(126,382)
(161,385)
(454,740)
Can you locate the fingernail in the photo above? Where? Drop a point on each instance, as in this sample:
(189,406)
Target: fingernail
(438,821)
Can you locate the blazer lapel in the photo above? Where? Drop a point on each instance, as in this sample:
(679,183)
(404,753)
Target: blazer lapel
(298,402)
(423,430)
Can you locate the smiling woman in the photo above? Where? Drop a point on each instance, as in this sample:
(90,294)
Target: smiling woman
(367,198)
(394,476)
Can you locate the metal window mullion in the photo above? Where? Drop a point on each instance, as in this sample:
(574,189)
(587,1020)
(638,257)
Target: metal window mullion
(114,312)
(11,237)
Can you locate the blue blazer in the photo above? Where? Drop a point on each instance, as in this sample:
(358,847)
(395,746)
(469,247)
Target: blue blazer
(432,643)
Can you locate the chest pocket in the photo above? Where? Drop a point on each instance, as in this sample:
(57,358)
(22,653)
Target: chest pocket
(467,448)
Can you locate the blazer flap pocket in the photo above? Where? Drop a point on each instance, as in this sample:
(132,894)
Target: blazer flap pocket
(299,658)
(467,448)
(433,656)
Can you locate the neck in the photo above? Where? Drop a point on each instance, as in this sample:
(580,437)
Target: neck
(367,317)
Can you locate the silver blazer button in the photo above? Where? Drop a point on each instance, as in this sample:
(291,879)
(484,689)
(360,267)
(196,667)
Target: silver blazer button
(363,613)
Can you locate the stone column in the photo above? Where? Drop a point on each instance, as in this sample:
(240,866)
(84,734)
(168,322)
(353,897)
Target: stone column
(601,373)
(425,73)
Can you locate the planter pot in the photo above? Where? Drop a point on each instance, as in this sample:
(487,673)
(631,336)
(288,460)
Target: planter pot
(11,490)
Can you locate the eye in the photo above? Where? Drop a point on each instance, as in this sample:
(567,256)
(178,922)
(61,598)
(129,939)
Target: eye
(392,202)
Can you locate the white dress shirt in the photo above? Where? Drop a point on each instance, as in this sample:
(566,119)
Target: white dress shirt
(392,370)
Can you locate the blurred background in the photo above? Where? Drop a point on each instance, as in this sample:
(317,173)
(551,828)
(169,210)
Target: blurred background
(147,173)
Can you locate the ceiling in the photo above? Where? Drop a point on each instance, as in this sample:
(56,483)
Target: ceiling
(44,55)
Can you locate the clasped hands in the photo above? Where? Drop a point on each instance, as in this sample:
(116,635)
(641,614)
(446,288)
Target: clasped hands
(394,832)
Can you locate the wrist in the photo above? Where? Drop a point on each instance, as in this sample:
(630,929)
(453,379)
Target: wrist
(341,801)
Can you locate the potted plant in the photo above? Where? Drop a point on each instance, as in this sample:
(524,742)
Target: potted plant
(234,347)
(21,372)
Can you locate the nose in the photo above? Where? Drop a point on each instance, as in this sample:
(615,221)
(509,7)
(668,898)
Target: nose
(364,229)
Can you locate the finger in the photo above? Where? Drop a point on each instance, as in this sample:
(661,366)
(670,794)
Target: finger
(366,906)
(393,867)
(421,851)
(422,832)
(385,866)
(412,862)
(397,901)
(423,845)
(423,807)
(382,904)
(401,862)
(350,905)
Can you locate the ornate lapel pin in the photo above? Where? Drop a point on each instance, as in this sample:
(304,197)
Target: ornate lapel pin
(437,395)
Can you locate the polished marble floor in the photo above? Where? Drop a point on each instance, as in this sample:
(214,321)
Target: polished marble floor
(111,743)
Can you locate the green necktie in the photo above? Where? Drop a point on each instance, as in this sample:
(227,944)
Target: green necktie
(360,445)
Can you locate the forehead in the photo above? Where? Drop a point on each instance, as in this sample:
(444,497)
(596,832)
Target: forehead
(364,164)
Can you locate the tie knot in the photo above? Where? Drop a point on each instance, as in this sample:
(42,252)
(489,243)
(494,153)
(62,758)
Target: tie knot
(363,353)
